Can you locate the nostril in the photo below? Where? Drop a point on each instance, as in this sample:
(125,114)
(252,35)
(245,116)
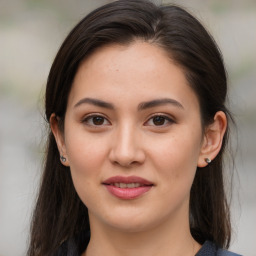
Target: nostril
(124,163)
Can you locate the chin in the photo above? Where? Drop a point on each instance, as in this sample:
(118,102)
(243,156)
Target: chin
(131,223)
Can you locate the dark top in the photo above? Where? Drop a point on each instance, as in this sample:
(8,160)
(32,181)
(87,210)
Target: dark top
(75,247)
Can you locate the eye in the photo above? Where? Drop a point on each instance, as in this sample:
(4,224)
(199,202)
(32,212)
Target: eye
(159,120)
(95,120)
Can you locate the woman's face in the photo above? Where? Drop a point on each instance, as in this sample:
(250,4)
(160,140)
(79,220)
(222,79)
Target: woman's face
(132,137)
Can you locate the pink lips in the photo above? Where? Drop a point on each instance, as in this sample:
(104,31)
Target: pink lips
(127,187)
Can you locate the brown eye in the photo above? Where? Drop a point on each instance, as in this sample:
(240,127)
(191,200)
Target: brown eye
(98,120)
(95,120)
(159,120)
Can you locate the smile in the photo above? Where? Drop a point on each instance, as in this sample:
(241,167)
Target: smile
(127,187)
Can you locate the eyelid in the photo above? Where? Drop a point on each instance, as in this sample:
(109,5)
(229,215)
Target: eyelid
(92,115)
(167,117)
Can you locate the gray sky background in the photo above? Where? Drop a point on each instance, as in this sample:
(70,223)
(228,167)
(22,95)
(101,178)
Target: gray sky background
(31,32)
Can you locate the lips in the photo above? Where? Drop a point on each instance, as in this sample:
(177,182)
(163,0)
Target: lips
(127,187)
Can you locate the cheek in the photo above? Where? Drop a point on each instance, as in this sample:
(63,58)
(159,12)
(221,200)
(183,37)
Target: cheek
(84,149)
(176,159)
(86,155)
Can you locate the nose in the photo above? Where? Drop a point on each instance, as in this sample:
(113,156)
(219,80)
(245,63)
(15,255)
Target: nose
(127,148)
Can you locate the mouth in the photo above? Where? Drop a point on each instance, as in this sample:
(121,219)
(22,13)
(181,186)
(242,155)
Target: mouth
(127,187)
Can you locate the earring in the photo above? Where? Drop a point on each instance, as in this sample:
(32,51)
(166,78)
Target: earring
(63,159)
(208,160)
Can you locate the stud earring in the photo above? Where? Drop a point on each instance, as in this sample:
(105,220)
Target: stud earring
(63,159)
(208,160)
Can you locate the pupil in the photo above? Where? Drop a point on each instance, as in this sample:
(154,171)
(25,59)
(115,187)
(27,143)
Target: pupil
(158,120)
(97,120)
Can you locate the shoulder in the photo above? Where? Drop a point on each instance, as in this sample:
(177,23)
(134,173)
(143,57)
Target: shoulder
(68,248)
(74,246)
(210,249)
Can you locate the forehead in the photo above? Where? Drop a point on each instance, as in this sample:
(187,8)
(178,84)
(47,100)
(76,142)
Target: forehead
(137,70)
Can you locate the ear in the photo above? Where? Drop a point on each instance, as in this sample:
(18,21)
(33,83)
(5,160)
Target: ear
(213,138)
(59,138)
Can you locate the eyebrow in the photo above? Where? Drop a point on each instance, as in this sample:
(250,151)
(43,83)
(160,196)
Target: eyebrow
(159,102)
(95,102)
(141,106)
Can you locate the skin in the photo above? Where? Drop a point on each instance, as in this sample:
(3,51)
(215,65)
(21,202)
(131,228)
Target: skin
(127,140)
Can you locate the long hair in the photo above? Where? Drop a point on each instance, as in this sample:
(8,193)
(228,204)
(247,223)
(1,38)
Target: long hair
(59,213)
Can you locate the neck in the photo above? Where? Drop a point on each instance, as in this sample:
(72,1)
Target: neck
(168,238)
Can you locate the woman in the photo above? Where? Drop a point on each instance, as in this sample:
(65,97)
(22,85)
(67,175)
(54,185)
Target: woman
(135,100)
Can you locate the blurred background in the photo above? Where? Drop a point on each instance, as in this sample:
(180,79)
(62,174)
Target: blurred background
(31,32)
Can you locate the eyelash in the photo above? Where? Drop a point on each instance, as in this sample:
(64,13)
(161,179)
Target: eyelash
(89,118)
(167,120)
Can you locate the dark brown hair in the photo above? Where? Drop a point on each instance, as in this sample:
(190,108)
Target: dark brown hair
(59,213)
